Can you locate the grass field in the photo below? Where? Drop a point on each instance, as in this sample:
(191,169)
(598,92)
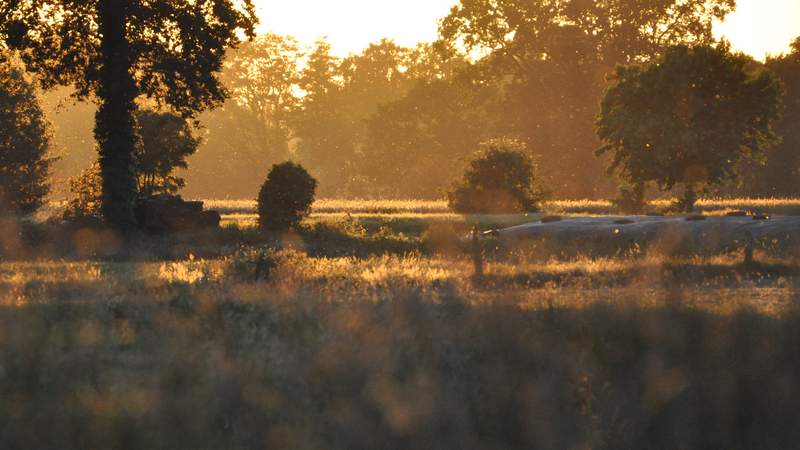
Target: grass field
(242,212)
(367,329)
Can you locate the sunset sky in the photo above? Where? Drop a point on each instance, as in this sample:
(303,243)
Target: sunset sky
(758,27)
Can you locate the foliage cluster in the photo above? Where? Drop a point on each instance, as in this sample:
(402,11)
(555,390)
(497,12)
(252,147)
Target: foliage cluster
(25,143)
(368,123)
(688,117)
(501,178)
(118,52)
(285,197)
(165,141)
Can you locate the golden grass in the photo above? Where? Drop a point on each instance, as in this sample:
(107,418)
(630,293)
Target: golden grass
(439,207)
(647,281)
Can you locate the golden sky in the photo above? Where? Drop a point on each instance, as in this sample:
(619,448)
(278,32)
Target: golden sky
(758,27)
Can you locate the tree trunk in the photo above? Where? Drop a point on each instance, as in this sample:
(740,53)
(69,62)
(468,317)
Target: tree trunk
(689,198)
(114,121)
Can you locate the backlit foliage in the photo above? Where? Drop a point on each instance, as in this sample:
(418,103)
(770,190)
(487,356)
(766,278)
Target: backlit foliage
(688,118)
(500,178)
(25,137)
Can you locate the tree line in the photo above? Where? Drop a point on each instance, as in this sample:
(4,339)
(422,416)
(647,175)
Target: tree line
(400,122)
(390,121)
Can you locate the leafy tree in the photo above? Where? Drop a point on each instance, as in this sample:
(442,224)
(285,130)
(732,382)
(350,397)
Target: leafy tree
(501,178)
(688,118)
(250,131)
(412,143)
(166,141)
(285,197)
(115,52)
(341,94)
(550,60)
(86,194)
(24,144)
(780,175)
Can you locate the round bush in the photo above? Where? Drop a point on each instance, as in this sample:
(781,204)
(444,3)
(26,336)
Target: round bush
(499,179)
(285,197)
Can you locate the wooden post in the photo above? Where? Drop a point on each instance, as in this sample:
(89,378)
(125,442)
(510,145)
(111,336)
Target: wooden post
(477,252)
(748,248)
(259,267)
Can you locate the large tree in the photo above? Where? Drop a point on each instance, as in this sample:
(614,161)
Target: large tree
(688,117)
(117,51)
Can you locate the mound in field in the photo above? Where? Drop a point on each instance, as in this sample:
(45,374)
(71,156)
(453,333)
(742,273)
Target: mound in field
(711,233)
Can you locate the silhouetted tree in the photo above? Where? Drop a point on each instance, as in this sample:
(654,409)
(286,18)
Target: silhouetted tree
(341,94)
(688,118)
(414,144)
(550,60)
(166,141)
(781,174)
(117,51)
(24,144)
(250,131)
(500,178)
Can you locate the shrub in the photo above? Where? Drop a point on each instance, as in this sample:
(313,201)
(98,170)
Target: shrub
(86,194)
(499,179)
(285,197)
(24,144)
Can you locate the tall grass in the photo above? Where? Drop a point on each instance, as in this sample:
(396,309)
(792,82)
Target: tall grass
(242,212)
(395,352)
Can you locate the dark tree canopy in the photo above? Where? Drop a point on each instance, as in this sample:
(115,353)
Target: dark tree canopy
(118,51)
(781,175)
(166,141)
(286,197)
(688,117)
(24,144)
(500,178)
(174,48)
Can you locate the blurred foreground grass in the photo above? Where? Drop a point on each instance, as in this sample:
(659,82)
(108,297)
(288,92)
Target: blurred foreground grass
(371,332)
(398,351)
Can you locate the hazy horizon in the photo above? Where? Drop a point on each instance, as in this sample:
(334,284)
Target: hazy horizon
(757,27)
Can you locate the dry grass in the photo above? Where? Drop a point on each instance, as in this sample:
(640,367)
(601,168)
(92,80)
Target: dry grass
(241,212)
(397,351)
(371,332)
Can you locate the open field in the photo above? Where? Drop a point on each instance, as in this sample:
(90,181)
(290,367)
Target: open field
(399,351)
(366,328)
(242,212)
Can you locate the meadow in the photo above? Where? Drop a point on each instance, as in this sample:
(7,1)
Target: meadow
(367,328)
(242,212)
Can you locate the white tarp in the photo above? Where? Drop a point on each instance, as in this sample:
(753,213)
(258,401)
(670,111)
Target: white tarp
(713,231)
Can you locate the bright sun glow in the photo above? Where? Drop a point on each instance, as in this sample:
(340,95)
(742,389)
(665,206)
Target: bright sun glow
(758,27)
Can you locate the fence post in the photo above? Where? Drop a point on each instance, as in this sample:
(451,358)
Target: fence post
(748,248)
(477,252)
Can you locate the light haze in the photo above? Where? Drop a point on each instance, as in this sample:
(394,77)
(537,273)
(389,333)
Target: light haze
(758,27)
